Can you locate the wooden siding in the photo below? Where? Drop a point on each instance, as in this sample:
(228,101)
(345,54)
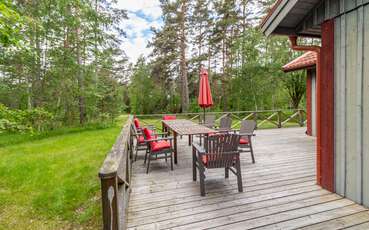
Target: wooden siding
(352,103)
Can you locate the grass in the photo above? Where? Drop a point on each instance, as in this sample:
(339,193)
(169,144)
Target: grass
(50,181)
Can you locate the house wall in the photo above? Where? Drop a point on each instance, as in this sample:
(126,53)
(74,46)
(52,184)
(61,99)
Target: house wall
(351,54)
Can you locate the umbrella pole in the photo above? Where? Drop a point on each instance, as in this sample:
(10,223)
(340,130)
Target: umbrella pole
(204,116)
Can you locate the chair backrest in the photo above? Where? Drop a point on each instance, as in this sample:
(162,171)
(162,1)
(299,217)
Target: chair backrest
(221,150)
(209,120)
(225,123)
(169,117)
(248,127)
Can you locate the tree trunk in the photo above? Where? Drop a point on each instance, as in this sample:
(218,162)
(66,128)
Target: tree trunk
(81,99)
(183,64)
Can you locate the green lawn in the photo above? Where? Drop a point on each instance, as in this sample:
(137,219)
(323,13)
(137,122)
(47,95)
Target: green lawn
(50,181)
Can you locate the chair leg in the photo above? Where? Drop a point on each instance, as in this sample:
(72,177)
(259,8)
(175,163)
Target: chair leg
(171,161)
(166,157)
(146,156)
(202,182)
(194,172)
(239,176)
(252,153)
(136,153)
(148,165)
(226,172)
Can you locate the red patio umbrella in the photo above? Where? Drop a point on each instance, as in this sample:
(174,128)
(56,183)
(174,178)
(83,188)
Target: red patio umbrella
(205,99)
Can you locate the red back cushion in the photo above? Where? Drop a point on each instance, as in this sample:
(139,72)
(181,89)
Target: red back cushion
(169,117)
(147,133)
(137,123)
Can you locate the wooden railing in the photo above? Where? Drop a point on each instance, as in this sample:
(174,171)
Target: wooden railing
(263,118)
(115,176)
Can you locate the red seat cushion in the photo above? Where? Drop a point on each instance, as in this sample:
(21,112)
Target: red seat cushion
(244,141)
(169,117)
(159,145)
(137,123)
(141,139)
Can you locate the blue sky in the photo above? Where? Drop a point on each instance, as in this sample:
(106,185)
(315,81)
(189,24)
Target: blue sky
(143,14)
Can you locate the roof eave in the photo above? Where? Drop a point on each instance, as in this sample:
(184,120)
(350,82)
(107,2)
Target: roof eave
(276,15)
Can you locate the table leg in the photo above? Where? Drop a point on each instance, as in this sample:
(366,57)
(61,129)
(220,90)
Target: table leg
(175,147)
(189,140)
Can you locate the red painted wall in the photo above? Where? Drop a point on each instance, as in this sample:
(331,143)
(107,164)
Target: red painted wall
(327,106)
(308,102)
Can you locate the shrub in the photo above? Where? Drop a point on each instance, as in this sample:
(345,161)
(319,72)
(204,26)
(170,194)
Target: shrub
(24,120)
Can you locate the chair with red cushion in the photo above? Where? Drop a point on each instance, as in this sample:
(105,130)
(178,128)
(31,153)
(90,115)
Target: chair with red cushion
(219,151)
(247,132)
(137,132)
(158,148)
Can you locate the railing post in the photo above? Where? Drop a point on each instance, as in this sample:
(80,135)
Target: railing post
(279,119)
(109,199)
(256,119)
(301,118)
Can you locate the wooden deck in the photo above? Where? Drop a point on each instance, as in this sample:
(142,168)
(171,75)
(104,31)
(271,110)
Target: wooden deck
(279,192)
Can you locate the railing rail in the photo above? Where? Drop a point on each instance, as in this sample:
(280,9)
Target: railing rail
(115,176)
(275,118)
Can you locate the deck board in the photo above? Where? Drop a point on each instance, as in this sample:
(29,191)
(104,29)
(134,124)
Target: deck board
(279,191)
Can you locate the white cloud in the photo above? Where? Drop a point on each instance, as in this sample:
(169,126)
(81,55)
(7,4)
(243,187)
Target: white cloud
(148,7)
(143,14)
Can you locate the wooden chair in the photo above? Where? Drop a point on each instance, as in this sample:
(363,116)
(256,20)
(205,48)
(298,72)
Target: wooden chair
(219,151)
(247,132)
(209,121)
(225,124)
(158,148)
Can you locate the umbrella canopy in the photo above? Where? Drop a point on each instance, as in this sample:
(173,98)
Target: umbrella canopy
(205,99)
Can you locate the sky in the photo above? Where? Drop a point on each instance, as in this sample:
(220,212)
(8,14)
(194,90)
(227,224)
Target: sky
(143,14)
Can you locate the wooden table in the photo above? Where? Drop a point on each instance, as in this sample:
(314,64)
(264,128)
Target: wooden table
(182,128)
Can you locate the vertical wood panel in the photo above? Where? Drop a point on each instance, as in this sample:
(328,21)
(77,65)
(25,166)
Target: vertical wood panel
(340,106)
(359,102)
(353,179)
(327,105)
(366,109)
(350,4)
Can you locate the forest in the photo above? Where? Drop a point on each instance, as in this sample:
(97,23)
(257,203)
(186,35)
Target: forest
(62,64)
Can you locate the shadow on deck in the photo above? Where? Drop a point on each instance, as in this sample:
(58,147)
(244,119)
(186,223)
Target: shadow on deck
(279,191)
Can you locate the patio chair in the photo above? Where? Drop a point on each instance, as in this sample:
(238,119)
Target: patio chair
(247,132)
(225,124)
(209,121)
(219,151)
(140,140)
(158,148)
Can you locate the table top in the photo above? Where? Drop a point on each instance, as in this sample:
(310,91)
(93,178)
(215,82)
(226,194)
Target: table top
(187,127)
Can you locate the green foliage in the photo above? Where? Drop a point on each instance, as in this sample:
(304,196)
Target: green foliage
(10,24)
(24,120)
(66,60)
(145,96)
(295,85)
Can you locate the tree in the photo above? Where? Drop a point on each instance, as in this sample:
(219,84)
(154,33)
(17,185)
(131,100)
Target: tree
(295,84)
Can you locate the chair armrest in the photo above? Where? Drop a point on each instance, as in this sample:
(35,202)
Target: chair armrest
(246,134)
(159,139)
(198,148)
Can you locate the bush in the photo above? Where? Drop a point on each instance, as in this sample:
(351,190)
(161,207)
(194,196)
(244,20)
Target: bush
(24,120)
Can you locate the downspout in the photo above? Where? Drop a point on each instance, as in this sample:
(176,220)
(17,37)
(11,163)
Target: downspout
(316,49)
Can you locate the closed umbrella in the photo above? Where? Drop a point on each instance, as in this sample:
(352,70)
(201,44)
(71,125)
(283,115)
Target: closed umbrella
(205,99)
